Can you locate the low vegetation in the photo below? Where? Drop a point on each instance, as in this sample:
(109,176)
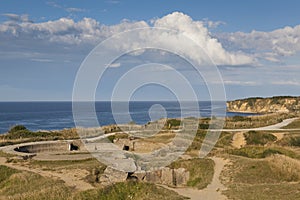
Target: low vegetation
(293,125)
(201,171)
(256,121)
(259,138)
(15,184)
(291,139)
(273,178)
(130,190)
(20,134)
(262,152)
(197,142)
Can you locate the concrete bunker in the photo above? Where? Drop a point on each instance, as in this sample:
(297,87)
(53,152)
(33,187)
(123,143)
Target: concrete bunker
(73,147)
(48,147)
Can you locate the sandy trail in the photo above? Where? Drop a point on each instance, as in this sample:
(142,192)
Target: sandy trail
(71,178)
(238,140)
(279,136)
(212,191)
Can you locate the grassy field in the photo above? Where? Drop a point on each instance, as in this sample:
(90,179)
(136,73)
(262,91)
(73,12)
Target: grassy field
(262,179)
(265,168)
(16,184)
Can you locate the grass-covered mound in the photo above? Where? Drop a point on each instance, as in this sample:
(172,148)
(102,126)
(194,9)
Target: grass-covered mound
(276,177)
(16,184)
(129,190)
(19,134)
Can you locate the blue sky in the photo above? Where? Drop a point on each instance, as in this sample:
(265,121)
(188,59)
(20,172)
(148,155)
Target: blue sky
(255,45)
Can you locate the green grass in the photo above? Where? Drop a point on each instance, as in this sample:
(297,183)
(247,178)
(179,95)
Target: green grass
(224,140)
(295,141)
(173,122)
(201,171)
(20,134)
(128,191)
(290,139)
(6,172)
(258,171)
(258,138)
(15,184)
(6,155)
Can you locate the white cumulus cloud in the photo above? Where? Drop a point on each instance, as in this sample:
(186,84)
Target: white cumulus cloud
(267,45)
(90,32)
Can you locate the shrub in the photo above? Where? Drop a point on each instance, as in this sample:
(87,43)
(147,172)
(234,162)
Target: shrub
(258,138)
(203,126)
(295,141)
(174,122)
(17,128)
(252,152)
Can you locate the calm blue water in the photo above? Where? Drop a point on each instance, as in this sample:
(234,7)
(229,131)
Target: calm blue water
(58,115)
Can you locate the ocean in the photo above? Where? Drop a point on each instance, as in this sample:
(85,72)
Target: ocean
(58,115)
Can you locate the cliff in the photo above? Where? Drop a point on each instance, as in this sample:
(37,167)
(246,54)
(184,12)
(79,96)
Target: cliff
(265,105)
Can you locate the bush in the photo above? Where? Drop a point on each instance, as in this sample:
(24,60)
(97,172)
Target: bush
(203,126)
(253,152)
(258,138)
(174,122)
(17,128)
(295,141)
(237,118)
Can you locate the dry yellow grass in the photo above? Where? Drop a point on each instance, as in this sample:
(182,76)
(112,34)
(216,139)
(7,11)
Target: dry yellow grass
(285,166)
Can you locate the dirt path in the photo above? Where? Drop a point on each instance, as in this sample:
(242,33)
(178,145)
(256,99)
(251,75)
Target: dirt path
(278,136)
(212,191)
(238,140)
(71,178)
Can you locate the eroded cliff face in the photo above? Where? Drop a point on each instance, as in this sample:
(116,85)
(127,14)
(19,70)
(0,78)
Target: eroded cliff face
(265,105)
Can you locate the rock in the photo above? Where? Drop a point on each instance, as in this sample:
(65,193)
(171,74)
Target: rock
(112,175)
(126,165)
(181,176)
(153,176)
(265,105)
(167,176)
(140,175)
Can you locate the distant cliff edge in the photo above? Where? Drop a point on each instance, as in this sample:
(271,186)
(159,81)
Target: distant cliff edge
(265,105)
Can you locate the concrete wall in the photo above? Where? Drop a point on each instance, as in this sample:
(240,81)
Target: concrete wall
(48,147)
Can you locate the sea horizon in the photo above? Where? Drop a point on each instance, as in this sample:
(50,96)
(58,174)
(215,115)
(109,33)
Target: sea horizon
(57,115)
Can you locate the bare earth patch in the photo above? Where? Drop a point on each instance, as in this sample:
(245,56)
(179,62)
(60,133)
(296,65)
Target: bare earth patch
(238,140)
(72,178)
